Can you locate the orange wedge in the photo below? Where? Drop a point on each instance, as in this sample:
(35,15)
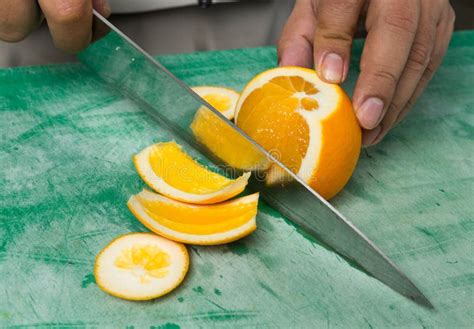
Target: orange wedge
(196,224)
(141,266)
(167,169)
(221,98)
(218,137)
(309,124)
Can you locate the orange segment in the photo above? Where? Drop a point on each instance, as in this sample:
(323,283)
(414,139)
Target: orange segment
(196,224)
(308,124)
(167,169)
(274,124)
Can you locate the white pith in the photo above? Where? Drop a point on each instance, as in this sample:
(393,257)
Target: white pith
(150,196)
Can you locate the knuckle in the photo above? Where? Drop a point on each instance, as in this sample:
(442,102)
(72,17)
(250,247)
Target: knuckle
(402,22)
(419,57)
(334,20)
(343,6)
(70,12)
(430,69)
(336,35)
(383,75)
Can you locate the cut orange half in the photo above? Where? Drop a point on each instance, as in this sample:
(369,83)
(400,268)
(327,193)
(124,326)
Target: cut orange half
(308,124)
(141,266)
(221,98)
(196,224)
(167,169)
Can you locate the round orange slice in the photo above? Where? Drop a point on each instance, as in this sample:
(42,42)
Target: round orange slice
(308,124)
(167,169)
(141,266)
(196,224)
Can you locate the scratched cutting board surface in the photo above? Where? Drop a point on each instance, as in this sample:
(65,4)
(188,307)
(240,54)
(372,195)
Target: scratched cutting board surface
(66,173)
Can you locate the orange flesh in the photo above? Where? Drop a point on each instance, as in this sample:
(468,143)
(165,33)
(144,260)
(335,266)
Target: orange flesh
(220,102)
(144,261)
(200,219)
(225,142)
(182,172)
(273,121)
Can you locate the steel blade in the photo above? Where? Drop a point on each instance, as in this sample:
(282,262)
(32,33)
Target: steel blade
(134,73)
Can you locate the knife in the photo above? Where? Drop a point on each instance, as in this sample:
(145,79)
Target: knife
(128,69)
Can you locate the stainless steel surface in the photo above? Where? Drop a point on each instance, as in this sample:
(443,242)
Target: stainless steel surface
(134,73)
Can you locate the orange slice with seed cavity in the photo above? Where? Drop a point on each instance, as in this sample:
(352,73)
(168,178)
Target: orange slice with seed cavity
(141,266)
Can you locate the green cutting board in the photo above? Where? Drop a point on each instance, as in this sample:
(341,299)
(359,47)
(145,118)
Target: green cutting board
(66,174)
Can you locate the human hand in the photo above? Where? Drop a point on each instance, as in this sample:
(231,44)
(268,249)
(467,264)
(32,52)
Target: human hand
(69,21)
(406,41)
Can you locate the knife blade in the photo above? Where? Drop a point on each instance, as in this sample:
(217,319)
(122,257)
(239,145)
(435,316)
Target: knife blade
(130,70)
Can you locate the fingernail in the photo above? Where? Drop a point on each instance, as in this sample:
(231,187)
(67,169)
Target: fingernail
(369,136)
(332,68)
(370,112)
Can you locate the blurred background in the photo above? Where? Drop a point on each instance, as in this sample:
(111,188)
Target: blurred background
(177,26)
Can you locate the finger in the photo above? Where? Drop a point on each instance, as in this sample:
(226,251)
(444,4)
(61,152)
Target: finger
(336,21)
(18,19)
(70,22)
(369,136)
(102,7)
(295,47)
(420,55)
(391,26)
(444,32)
